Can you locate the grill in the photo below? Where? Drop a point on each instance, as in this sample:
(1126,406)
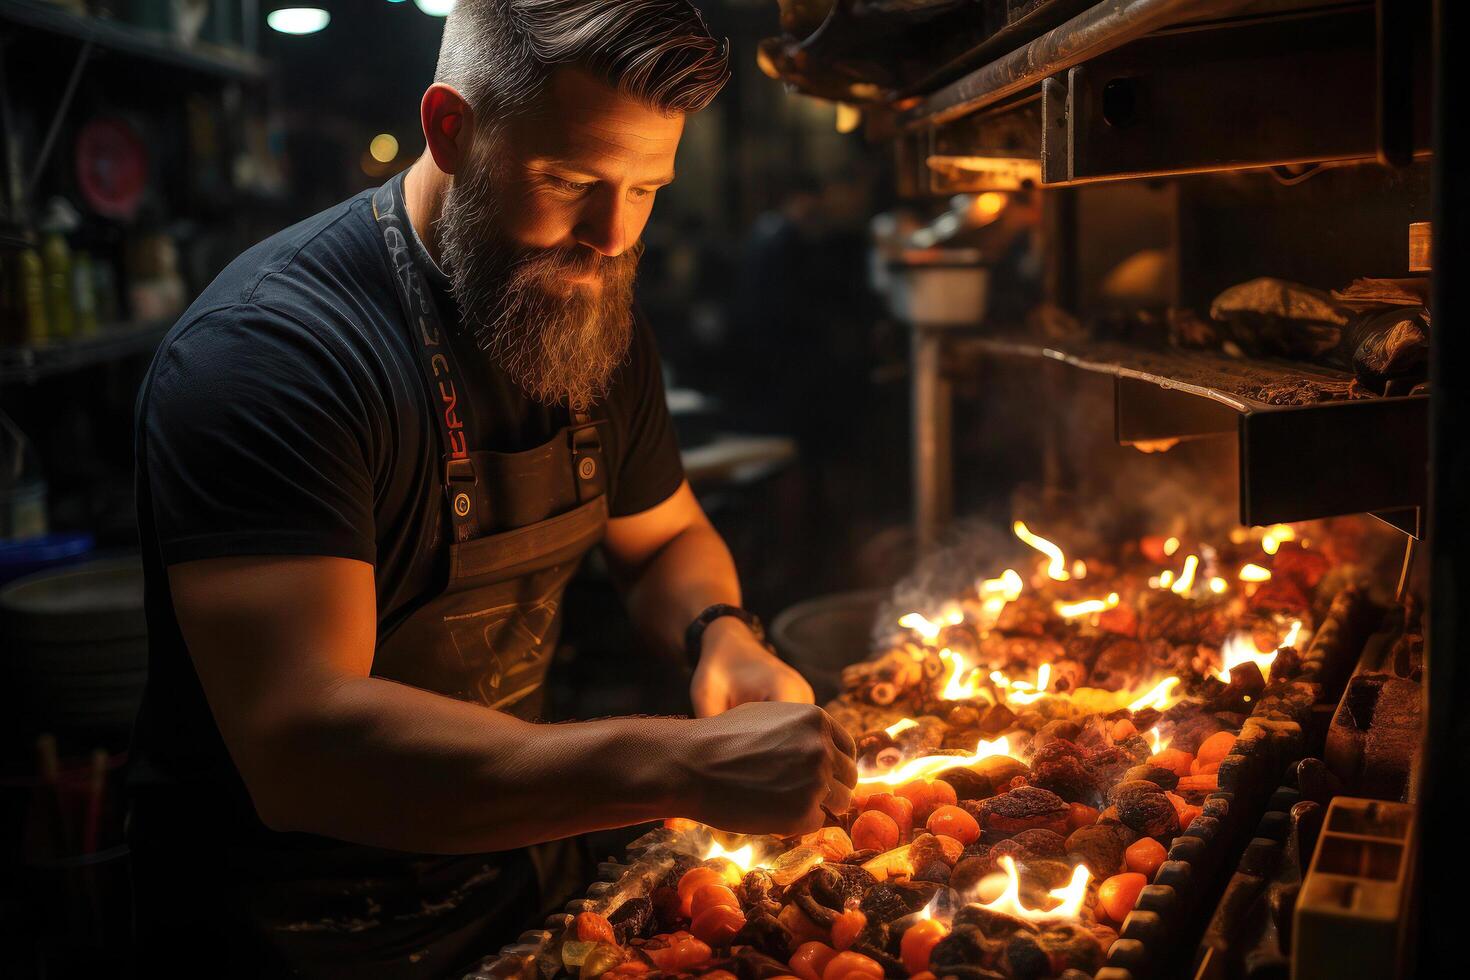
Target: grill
(1263,724)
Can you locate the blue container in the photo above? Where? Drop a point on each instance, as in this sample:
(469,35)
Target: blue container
(26,555)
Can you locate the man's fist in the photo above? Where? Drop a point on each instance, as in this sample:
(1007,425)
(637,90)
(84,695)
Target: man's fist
(769,768)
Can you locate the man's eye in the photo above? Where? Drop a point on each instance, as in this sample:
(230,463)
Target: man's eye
(570,186)
(639,193)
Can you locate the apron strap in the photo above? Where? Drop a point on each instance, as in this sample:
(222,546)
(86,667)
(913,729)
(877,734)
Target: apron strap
(436,359)
(588,466)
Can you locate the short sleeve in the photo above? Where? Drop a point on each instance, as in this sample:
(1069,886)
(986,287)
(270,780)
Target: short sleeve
(651,468)
(253,440)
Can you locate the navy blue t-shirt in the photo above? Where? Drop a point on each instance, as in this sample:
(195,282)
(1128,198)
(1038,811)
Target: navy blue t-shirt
(286,413)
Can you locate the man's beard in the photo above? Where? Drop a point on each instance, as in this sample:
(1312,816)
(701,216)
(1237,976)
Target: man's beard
(560,341)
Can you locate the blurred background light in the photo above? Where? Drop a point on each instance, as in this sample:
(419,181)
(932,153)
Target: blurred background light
(298,20)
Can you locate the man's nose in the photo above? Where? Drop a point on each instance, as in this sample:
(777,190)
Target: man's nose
(603,224)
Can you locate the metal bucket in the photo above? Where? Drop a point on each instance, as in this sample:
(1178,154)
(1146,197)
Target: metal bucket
(821,636)
(75,651)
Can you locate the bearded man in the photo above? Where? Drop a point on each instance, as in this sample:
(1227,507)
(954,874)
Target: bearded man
(369,458)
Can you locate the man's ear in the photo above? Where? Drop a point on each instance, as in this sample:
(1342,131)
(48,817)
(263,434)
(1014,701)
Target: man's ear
(449,126)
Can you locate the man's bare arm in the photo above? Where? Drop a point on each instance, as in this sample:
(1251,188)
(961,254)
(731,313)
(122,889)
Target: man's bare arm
(673,564)
(284,648)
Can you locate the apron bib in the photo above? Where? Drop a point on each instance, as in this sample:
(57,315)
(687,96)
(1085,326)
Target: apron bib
(488,638)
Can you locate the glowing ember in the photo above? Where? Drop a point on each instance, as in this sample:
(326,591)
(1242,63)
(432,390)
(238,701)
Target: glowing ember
(1079,569)
(1218,585)
(1272,540)
(929,765)
(1056,568)
(1158,697)
(1255,573)
(900,726)
(1241,648)
(1071,610)
(1171,546)
(1186,577)
(1163,580)
(1069,899)
(964,681)
(741,857)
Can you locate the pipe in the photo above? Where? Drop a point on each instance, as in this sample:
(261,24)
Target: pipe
(1095,31)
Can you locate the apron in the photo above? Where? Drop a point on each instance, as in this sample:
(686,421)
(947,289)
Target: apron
(519,525)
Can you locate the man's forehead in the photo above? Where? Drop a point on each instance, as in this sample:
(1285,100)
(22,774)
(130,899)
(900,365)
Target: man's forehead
(580,117)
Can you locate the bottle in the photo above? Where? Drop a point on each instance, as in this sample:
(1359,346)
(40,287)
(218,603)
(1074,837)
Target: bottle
(56,266)
(83,295)
(30,294)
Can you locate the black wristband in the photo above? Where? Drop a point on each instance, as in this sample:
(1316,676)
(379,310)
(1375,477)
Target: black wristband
(694,635)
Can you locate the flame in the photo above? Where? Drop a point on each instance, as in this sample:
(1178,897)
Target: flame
(1069,899)
(741,857)
(1071,610)
(1272,540)
(929,629)
(1158,697)
(902,725)
(956,689)
(930,764)
(1218,585)
(1255,573)
(1241,648)
(1025,693)
(1079,569)
(1186,578)
(1157,744)
(1163,580)
(1056,568)
(1171,546)
(995,593)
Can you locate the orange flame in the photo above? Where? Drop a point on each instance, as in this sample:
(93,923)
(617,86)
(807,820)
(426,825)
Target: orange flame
(1056,568)
(1158,697)
(995,593)
(928,765)
(1275,535)
(1255,573)
(1240,648)
(929,629)
(1185,583)
(1171,546)
(1069,899)
(1088,607)
(900,726)
(1157,744)
(741,857)
(955,688)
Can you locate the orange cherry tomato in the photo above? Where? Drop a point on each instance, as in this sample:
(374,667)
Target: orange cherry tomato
(847,928)
(680,952)
(810,959)
(851,966)
(952,821)
(899,808)
(1115,897)
(1215,748)
(919,792)
(1080,815)
(918,942)
(710,896)
(874,829)
(1145,855)
(1176,761)
(717,925)
(693,880)
(594,928)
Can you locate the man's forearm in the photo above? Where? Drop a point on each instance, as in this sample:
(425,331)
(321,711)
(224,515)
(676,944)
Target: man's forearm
(384,764)
(686,576)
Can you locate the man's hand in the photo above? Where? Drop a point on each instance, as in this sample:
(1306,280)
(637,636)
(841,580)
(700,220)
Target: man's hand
(768,768)
(736,668)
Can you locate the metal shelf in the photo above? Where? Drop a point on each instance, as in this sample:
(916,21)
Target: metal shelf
(136,42)
(1305,449)
(28,365)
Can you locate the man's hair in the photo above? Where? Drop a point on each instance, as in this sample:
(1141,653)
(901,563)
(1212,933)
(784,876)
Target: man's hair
(500,53)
